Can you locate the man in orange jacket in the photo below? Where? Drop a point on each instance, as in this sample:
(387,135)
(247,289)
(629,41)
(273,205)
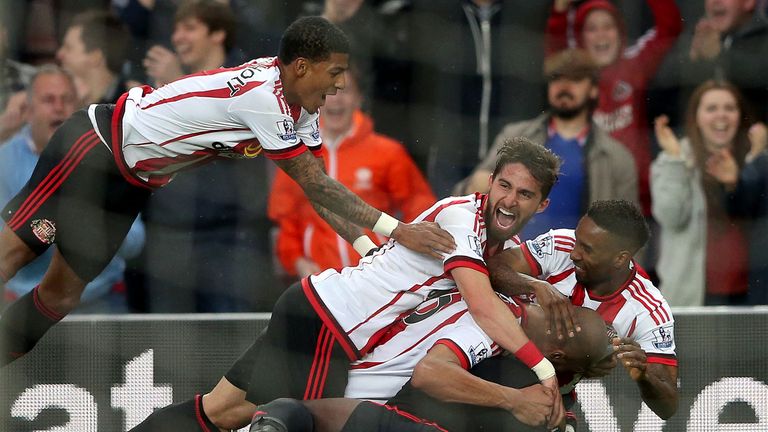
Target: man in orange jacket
(375,167)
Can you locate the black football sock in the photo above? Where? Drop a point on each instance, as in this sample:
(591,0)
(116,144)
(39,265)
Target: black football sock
(23,324)
(282,415)
(184,416)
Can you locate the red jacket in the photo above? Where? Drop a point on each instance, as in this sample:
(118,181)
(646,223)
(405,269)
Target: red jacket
(621,109)
(376,168)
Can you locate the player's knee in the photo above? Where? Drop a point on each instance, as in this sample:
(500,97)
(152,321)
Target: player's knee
(14,254)
(282,415)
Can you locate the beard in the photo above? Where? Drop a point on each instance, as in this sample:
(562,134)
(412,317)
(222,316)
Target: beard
(568,113)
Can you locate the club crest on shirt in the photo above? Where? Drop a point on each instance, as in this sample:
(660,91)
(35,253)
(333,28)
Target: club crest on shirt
(542,246)
(621,91)
(478,353)
(44,230)
(663,337)
(474,244)
(285,130)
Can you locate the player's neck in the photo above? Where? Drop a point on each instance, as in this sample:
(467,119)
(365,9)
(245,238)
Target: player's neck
(615,283)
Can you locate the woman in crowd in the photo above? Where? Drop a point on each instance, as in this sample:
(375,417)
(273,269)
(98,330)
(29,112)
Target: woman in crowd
(704,255)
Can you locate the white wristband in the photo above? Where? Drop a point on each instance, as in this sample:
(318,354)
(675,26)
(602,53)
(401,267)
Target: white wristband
(363,245)
(544,369)
(385,225)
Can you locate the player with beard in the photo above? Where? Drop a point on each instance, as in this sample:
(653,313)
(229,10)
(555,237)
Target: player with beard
(595,165)
(327,320)
(593,267)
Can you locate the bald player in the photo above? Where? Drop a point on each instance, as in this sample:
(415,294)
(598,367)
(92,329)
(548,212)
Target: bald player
(444,395)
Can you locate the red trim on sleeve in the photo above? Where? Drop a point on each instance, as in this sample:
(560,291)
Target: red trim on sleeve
(532,263)
(285,153)
(460,354)
(316,150)
(669,361)
(462,261)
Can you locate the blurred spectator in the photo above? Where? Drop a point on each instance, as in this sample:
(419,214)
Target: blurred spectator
(375,167)
(730,42)
(211,223)
(703,248)
(14,79)
(93,51)
(748,199)
(52,100)
(476,64)
(203,39)
(626,69)
(595,166)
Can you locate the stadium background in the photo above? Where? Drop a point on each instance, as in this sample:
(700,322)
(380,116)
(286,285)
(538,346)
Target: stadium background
(107,373)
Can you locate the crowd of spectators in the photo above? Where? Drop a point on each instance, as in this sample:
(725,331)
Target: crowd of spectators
(661,102)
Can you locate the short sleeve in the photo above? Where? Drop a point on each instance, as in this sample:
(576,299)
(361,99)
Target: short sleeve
(657,340)
(272,124)
(308,132)
(550,253)
(468,342)
(460,223)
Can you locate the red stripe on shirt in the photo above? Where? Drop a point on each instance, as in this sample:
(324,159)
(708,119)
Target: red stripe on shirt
(117,141)
(645,305)
(643,292)
(219,93)
(609,310)
(532,263)
(431,217)
(560,276)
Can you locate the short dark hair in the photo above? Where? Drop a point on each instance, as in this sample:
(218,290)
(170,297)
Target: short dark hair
(104,32)
(214,14)
(540,161)
(313,38)
(622,219)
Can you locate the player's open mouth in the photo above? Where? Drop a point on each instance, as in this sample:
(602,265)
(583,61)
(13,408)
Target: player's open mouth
(505,218)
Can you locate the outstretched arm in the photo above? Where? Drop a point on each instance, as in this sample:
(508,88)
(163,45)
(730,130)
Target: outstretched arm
(323,191)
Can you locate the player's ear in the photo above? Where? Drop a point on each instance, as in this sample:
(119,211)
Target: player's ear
(543,205)
(301,66)
(622,259)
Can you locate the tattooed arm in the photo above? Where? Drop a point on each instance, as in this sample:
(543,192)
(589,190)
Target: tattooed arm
(323,191)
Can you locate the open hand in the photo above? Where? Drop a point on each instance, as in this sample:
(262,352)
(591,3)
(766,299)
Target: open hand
(424,237)
(162,65)
(723,167)
(665,136)
(705,44)
(562,318)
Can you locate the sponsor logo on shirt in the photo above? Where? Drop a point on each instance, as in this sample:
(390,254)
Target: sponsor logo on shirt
(315,130)
(285,130)
(663,337)
(44,230)
(474,244)
(542,246)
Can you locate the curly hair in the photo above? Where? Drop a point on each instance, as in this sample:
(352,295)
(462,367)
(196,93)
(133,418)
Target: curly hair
(313,38)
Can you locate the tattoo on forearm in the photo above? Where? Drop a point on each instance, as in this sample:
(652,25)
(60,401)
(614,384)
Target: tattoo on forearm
(346,230)
(327,192)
